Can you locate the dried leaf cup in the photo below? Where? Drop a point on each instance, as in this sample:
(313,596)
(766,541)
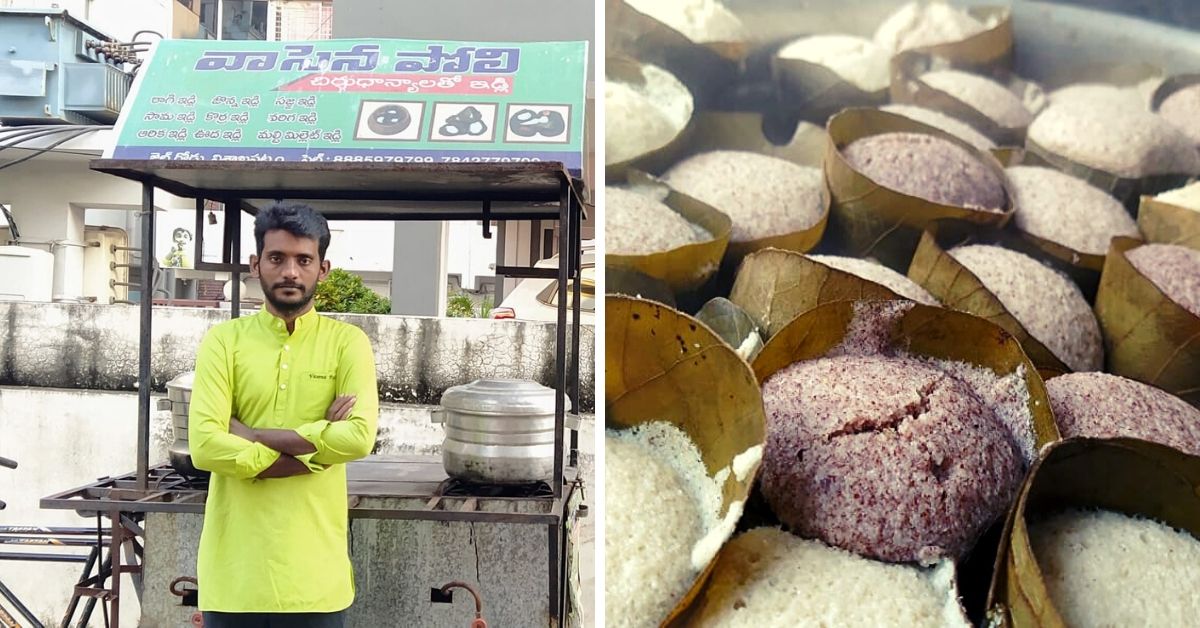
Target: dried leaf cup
(814,91)
(1126,187)
(1165,90)
(663,365)
(743,131)
(706,68)
(733,325)
(1148,337)
(1083,268)
(1163,222)
(775,286)
(934,269)
(1130,476)
(1169,86)
(923,330)
(870,220)
(651,156)
(989,52)
(683,268)
(908,88)
(801,241)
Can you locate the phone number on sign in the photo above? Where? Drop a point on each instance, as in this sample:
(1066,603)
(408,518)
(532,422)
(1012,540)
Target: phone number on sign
(418,159)
(501,160)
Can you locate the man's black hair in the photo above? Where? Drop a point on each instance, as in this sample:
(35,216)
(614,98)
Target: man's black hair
(297,219)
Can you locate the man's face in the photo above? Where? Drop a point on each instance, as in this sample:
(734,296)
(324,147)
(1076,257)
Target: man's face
(289,270)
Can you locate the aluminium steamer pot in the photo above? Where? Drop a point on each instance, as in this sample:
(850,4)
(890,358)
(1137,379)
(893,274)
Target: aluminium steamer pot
(499,431)
(178,401)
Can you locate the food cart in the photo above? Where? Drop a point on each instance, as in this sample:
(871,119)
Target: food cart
(388,185)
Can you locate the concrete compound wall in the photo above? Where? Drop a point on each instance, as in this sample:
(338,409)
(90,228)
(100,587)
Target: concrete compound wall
(64,438)
(85,346)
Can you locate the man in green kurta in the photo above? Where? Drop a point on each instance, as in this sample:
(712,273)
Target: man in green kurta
(282,399)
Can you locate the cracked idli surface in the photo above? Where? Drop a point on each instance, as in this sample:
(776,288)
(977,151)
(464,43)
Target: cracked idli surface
(886,456)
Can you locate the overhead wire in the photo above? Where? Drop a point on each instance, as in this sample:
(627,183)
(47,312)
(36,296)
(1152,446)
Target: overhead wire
(19,132)
(11,132)
(54,130)
(43,150)
(32,135)
(135,35)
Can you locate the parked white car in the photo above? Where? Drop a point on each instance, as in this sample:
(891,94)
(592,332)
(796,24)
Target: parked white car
(537,299)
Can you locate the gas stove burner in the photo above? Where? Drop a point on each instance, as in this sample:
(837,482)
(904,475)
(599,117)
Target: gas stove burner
(453,487)
(187,482)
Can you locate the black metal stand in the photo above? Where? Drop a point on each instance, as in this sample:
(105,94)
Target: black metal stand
(98,564)
(122,546)
(172,493)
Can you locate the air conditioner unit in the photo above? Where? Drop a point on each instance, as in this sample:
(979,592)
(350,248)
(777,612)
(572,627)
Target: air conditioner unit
(26,274)
(54,72)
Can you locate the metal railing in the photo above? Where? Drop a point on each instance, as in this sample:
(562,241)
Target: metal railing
(95,539)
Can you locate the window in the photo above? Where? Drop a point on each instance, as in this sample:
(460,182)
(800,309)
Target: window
(208,18)
(244,19)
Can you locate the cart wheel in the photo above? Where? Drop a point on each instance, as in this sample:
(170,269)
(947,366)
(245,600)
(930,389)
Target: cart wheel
(389,120)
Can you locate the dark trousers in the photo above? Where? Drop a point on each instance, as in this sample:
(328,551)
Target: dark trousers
(274,620)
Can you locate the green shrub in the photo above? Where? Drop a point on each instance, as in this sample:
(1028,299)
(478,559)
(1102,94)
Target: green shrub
(343,291)
(459,305)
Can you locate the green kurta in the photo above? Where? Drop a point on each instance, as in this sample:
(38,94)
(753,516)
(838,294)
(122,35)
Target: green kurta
(279,545)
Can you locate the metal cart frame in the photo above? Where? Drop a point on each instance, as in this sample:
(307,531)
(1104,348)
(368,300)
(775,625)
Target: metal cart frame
(351,191)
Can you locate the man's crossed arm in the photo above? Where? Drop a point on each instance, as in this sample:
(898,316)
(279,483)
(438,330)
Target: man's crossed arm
(289,443)
(222,444)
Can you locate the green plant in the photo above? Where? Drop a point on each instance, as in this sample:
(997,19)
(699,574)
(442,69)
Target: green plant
(485,307)
(344,291)
(459,305)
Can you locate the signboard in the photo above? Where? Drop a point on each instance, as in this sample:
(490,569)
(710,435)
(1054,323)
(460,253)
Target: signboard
(358,100)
